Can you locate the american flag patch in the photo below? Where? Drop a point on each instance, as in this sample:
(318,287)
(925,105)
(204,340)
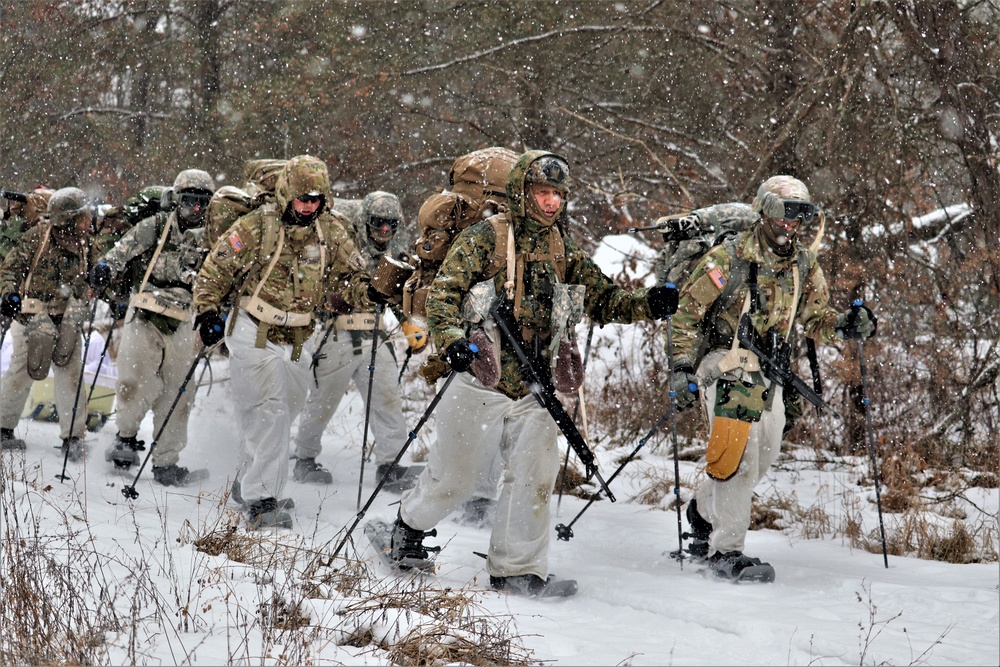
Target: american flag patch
(717,278)
(235,241)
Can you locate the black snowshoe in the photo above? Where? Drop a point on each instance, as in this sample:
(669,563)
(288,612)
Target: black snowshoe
(237,497)
(175,475)
(265,513)
(8,441)
(124,452)
(73,449)
(397,478)
(308,471)
(402,547)
(701,530)
(531,585)
(738,567)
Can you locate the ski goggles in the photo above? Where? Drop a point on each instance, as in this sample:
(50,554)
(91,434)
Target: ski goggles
(378,223)
(194,200)
(310,198)
(796,209)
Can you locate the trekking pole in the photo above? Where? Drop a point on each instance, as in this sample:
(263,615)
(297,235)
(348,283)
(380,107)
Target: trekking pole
(368,401)
(866,403)
(409,440)
(104,353)
(79,385)
(317,356)
(565,532)
(406,362)
(129,491)
(576,409)
(673,432)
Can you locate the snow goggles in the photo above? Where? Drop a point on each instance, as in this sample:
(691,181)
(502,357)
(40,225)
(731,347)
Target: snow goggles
(796,209)
(377,222)
(310,198)
(194,200)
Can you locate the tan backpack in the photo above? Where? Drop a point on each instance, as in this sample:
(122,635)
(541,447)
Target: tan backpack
(477,186)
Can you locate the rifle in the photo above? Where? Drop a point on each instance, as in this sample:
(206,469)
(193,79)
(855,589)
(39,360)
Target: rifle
(540,384)
(776,364)
(677,228)
(13,196)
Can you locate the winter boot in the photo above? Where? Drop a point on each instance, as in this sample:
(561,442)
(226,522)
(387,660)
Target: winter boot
(397,478)
(307,471)
(75,447)
(123,453)
(737,566)
(531,585)
(701,530)
(234,494)
(171,475)
(478,512)
(408,544)
(8,441)
(265,513)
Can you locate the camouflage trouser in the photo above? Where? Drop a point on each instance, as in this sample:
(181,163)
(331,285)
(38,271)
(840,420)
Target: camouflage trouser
(16,385)
(726,504)
(341,364)
(151,367)
(473,423)
(269,390)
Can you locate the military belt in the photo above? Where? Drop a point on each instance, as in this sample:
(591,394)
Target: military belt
(35,306)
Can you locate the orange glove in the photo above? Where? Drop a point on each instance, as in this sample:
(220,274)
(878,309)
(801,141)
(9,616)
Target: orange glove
(415,336)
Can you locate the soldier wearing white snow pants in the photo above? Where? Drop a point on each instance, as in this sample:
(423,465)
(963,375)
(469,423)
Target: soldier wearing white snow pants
(523,255)
(345,358)
(473,423)
(281,260)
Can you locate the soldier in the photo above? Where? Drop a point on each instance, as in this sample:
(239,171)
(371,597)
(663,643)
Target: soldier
(542,262)
(346,353)
(766,273)
(161,255)
(43,282)
(281,258)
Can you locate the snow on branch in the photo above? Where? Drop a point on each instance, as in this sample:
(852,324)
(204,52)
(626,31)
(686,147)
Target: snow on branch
(111,110)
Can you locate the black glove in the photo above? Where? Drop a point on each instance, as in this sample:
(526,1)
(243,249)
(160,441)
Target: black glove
(377,297)
(211,327)
(100,276)
(859,322)
(684,387)
(460,355)
(662,300)
(10,305)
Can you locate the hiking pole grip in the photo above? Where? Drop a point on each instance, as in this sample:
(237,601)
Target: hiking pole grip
(865,406)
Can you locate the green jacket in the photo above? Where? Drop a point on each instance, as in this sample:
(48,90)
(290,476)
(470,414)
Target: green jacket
(698,327)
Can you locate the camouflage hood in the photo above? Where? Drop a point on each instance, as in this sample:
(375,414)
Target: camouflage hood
(517,204)
(301,175)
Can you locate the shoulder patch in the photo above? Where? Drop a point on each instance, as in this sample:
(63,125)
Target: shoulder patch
(235,241)
(718,279)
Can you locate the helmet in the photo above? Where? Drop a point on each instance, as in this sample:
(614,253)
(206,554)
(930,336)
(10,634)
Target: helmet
(194,180)
(550,170)
(784,198)
(65,205)
(302,175)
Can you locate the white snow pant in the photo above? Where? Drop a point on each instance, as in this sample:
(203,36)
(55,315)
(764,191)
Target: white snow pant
(726,504)
(152,366)
(16,385)
(472,422)
(342,363)
(269,390)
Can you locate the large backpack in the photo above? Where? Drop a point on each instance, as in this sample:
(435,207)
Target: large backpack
(477,186)
(230,202)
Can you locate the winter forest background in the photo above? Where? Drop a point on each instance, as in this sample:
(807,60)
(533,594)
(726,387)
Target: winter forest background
(888,110)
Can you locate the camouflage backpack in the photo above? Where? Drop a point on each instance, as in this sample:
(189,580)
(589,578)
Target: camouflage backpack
(230,202)
(476,190)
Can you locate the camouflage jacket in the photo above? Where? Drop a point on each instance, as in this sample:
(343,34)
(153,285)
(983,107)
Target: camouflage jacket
(60,273)
(177,265)
(699,327)
(298,283)
(467,263)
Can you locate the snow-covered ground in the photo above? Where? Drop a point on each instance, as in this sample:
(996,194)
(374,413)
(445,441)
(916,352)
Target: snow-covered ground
(830,604)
